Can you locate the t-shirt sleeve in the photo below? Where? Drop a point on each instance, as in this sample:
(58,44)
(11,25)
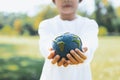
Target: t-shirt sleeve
(44,41)
(91,38)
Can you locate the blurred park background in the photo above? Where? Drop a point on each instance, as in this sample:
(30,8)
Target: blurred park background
(20,58)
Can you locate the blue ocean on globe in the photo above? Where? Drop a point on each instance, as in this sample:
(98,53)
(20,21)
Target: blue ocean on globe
(66,42)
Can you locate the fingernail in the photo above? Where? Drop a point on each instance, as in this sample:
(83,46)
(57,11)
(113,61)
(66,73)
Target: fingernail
(72,51)
(76,49)
(68,55)
(57,56)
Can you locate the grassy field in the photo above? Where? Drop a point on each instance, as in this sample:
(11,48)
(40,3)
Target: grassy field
(20,58)
(106,62)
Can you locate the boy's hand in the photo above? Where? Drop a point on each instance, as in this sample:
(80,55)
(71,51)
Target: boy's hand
(76,56)
(56,59)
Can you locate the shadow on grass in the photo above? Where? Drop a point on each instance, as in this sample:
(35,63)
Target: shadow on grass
(21,68)
(14,65)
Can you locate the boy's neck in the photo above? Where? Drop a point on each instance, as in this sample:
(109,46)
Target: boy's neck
(69,17)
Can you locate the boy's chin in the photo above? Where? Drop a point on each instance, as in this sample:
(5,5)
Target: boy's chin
(67,12)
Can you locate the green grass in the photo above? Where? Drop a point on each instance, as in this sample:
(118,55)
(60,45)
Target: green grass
(20,58)
(106,62)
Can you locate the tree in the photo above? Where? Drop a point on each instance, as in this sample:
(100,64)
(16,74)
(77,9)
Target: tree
(1,25)
(18,26)
(106,16)
(45,13)
(6,30)
(118,11)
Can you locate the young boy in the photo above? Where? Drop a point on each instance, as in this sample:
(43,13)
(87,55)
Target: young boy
(77,67)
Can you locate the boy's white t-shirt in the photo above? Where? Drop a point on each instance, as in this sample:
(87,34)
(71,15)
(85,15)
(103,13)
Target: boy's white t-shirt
(85,28)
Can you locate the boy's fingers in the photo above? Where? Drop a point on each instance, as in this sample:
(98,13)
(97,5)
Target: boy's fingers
(71,59)
(55,59)
(69,62)
(76,56)
(80,54)
(52,54)
(61,62)
(85,49)
(65,64)
(50,49)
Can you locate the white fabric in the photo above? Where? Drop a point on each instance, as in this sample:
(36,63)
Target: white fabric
(85,28)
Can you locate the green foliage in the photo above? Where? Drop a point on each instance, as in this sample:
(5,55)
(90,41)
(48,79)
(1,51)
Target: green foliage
(6,30)
(1,25)
(22,24)
(45,13)
(107,16)
(102,31)
(116,23)
(18,24)
(49,12)
(28,28)
(118,11)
